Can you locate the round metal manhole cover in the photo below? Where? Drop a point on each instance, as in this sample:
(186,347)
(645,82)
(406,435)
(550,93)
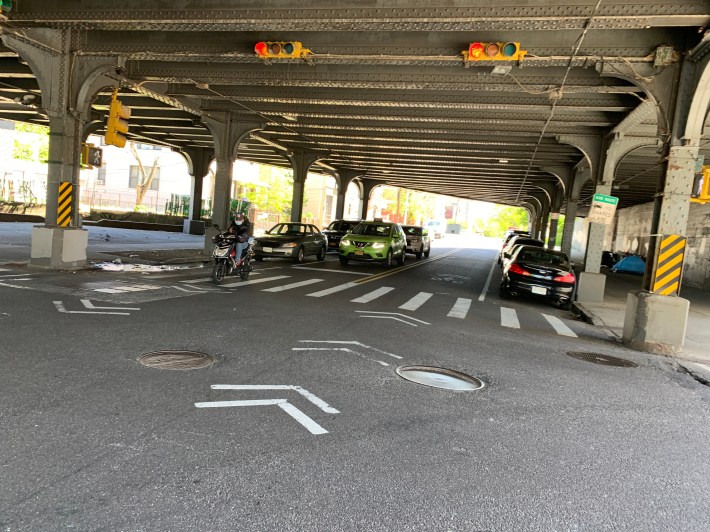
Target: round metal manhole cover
(605,360)
(180,360)
(447,379)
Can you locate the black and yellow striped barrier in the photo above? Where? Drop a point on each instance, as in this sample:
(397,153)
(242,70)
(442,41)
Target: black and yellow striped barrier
(668,270)
(64,205)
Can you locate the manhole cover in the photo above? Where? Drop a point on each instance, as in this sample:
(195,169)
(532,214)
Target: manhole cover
(605,360)
(440,378)
(176,360)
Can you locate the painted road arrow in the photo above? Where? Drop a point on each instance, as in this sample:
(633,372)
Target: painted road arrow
(345,349)
(391,316)
(283,404)
(92,309)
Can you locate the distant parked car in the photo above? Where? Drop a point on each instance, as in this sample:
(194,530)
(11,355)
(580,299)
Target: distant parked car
(291,240)
(539,272)
(435,229)
(337,230)
(517,240)
(418,240)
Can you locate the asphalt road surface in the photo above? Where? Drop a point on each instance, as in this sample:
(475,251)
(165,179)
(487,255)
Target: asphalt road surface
(302,422)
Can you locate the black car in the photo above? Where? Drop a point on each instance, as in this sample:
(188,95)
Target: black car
(337,230)
(539,272)
(291,240)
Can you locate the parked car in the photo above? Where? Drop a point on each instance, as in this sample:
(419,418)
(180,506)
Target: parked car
(509,234)
(435,229)
(517,240)
(418,240)
(337,230)
(539,272)
(374,241)
(291,240)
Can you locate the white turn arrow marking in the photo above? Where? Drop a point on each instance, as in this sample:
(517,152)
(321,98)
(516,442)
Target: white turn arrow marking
(87,303)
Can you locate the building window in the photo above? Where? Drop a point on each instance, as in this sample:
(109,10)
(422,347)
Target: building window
(101,177)
(134,176)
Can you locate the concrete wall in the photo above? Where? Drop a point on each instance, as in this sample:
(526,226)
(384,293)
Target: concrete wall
(633,226)
(579,240)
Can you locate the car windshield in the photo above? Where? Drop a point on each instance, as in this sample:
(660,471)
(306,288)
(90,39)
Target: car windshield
(372,229)
(287,229)
(543,257)
(412,231)
(340,226)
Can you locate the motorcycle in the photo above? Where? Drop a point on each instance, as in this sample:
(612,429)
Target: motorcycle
(225,259)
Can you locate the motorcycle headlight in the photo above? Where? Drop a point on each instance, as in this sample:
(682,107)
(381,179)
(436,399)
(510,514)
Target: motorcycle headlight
(377,245)
(289,245)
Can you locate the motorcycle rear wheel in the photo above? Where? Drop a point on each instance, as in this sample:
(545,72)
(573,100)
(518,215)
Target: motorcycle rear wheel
(219,270)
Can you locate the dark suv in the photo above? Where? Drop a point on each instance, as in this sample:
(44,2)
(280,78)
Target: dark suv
(336,231)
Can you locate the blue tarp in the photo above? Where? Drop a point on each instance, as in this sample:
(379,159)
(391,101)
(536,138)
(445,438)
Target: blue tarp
(630,264)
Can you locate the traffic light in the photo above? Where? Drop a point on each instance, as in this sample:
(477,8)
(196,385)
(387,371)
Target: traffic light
(91,156)
(281,50)
(117,127)
(494,51)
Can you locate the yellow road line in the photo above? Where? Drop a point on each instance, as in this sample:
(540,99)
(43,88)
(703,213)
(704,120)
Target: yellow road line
(382,275)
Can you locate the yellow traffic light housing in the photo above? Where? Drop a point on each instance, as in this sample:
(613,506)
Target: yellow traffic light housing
(117,127)
(91,156)
(494,51)
(281,50)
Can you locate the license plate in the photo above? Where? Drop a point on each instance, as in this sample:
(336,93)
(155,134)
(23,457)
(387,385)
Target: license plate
(268,250)
(359,252)
(539,290)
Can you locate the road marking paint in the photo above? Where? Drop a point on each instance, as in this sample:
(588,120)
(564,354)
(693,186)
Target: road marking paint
(559,326)
(509,318)
(373,295)
(482,297)
(292,285)
(88,304)
(392,314)
(119,289)
(14,275)
(417,301)
(60,307)
(391,318)
(404,268)
(16,286)
(328,270)
(343,349)
(460,308)
(333,290)
(352,342)
(255,281)
(208,280)
(295,413)
(320,403)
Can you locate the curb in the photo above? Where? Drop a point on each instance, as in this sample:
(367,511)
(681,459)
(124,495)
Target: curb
(588,315)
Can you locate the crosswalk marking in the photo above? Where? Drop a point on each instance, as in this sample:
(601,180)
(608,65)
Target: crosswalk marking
(121,289)
(255,281)
(509,318)
(559,326)
(460,308)
(328,291)
(292,285)
(417,301)
(373,295)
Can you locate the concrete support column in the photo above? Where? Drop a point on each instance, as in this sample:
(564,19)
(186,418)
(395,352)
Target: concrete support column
(367,186)
(544,221)
(582,174)
(198,161)
(63,163)
(222,191)
(345,177)
(554,224)
(301,161)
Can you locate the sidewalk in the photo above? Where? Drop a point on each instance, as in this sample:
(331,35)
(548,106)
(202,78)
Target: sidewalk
(610,314)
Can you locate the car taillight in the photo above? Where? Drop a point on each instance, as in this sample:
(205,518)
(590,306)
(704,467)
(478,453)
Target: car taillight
(566,278)
(518,269)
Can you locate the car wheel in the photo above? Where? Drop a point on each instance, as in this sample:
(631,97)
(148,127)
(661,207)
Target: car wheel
(503,292)
(321,254)
(420,252)
(426,253)
(401,258)
(388,260)
(344,260)
(300,255)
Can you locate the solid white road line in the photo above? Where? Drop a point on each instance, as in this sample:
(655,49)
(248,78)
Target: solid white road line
(255,281)
(509,318)
(460,308)
(373,295)
(559,326)
(482,297)
(417,301)
(292,285)
(329,270)
(333,290)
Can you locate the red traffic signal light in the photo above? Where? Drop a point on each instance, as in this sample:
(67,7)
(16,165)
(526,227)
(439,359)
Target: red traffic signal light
(494,51)
(281,50)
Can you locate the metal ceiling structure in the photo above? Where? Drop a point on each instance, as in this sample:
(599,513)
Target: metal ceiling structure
(386,91)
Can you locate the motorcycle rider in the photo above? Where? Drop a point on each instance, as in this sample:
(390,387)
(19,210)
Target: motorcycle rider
(241,227)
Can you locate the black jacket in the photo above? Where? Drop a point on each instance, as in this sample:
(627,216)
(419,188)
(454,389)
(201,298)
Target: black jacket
(242,231)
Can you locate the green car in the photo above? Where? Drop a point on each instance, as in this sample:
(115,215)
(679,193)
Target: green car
(374,241)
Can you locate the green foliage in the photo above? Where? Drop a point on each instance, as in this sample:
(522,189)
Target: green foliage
(504,218)
(23,151)
(31,143)
(276,193)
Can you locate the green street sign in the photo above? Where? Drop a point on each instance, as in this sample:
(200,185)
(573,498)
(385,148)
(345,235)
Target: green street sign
(603,198)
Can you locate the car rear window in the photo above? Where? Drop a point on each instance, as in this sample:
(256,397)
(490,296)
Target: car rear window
(412,231)
(543,257)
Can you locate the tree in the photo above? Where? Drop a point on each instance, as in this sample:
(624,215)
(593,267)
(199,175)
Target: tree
(504,218)
(144,179)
